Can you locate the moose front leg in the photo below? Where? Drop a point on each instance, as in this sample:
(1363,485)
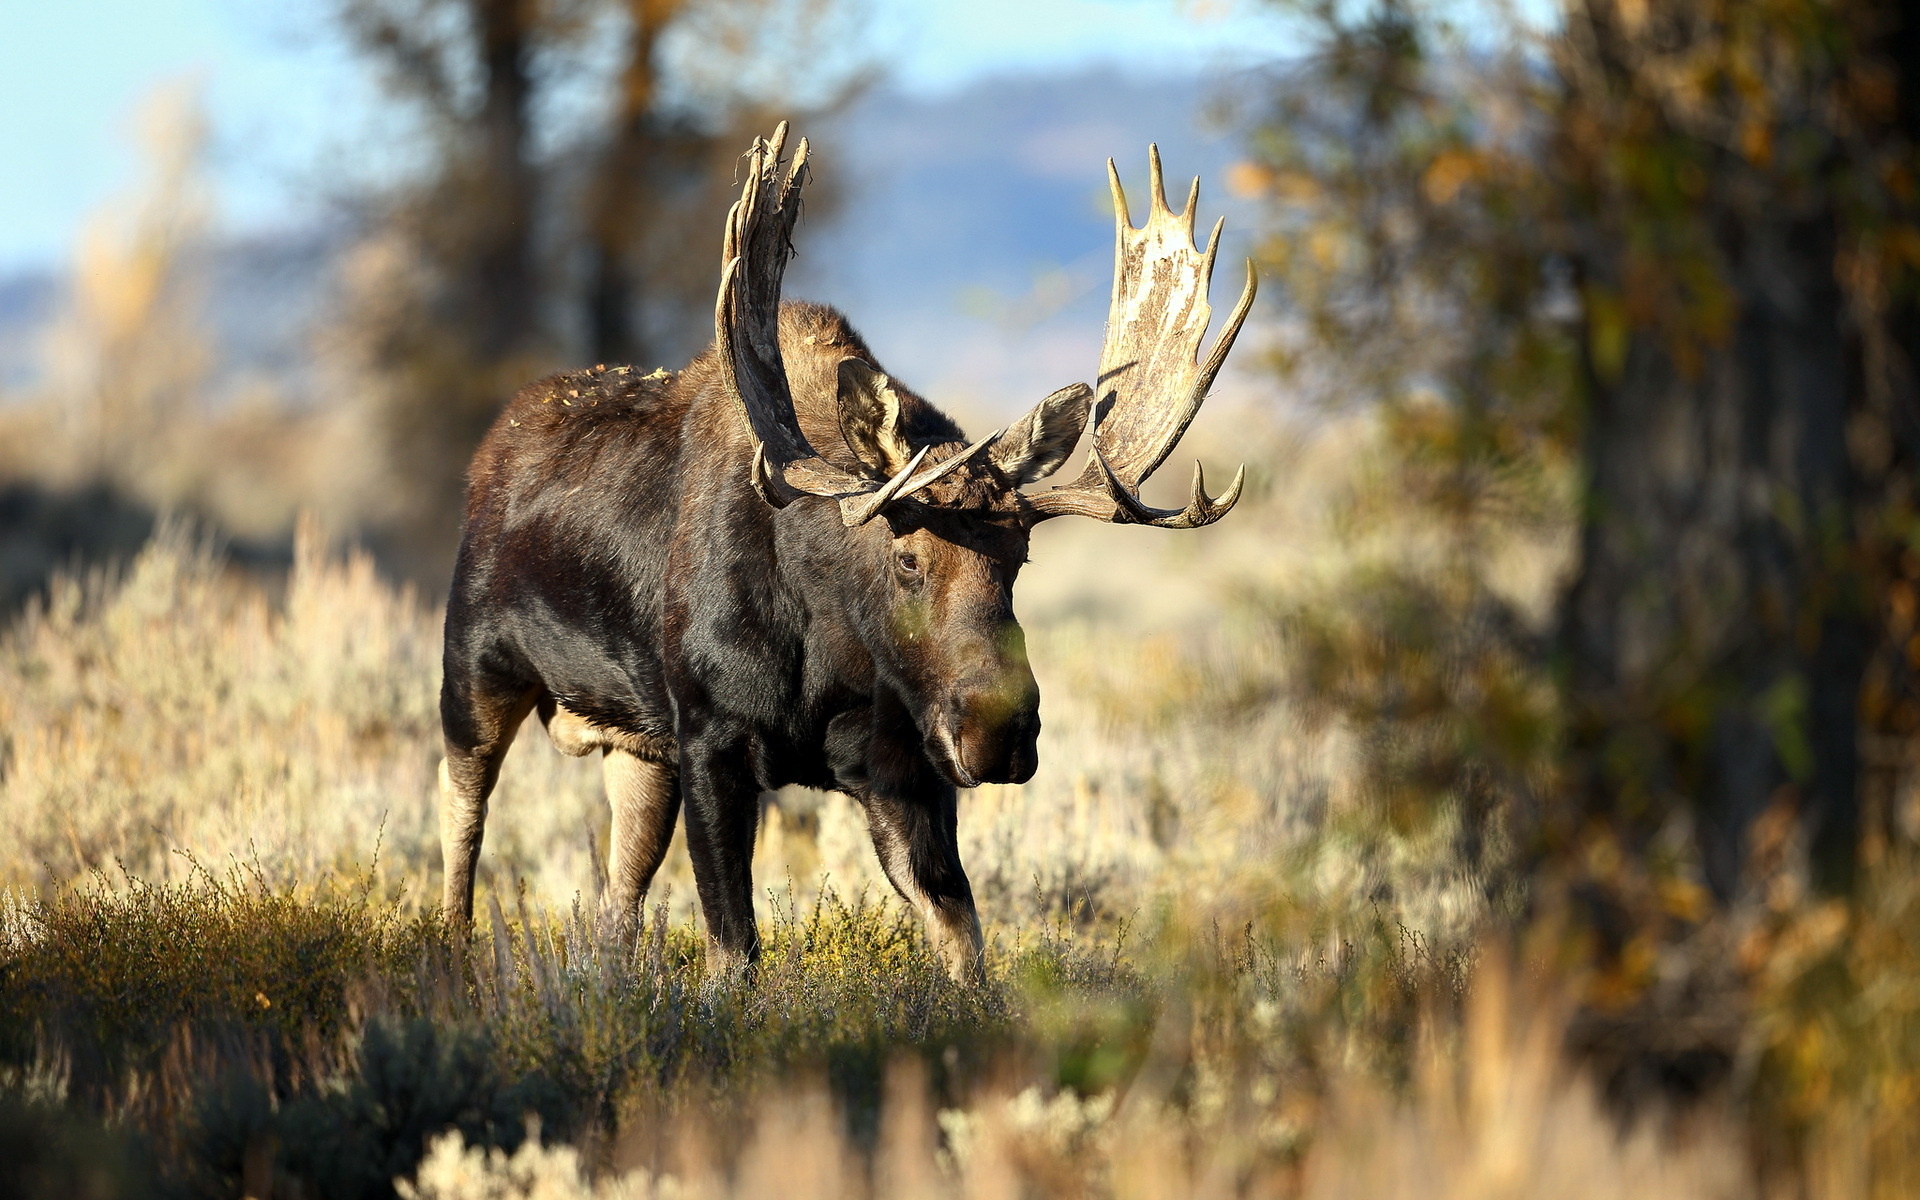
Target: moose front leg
(722,810)
(919,848)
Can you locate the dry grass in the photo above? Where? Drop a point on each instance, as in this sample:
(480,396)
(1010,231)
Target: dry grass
(175,722)
(1219,967)
(175,707)
(1222,962)
(1498,1115)
(316,1043)
(1238,947)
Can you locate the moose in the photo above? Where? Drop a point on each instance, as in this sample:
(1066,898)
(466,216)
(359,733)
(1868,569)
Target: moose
(782,566)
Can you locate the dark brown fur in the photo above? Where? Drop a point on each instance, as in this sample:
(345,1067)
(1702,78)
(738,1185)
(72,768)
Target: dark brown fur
(619,575)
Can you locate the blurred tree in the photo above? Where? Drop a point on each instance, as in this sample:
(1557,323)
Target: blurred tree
(1409,240)
(615,201)
(1673,244)
(567,208)
(129,357)
(1740,185)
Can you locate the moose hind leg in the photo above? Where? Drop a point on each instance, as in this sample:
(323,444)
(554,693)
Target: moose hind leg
(479,726)
(919,849)
(645,797)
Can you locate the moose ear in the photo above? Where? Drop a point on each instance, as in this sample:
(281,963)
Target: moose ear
(1036,444)
(870,418)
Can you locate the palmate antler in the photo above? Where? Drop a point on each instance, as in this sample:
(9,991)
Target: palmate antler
(1152,380)
(746,324)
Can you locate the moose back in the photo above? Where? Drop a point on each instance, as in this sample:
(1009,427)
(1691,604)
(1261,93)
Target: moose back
(782,566)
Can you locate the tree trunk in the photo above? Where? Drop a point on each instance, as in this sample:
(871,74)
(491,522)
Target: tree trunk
(1714,642)
(617,195)
(1728,605)
(504,290)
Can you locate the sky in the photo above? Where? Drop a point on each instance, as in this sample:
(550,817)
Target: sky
(287,105)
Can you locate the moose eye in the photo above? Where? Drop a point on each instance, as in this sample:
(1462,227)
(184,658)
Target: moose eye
(908,562)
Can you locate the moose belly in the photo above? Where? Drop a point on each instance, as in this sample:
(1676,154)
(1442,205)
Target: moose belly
(576,734)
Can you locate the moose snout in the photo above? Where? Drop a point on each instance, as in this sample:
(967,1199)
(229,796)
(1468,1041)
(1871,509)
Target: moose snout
(1007,752)
(990,733)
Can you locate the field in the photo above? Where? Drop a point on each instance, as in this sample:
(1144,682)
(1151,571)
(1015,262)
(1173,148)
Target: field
(1220,963)
(1517,795)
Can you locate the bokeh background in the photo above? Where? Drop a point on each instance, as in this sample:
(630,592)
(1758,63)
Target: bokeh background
(364,232)
(1516,795)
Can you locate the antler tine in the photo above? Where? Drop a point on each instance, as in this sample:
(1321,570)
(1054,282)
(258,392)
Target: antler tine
(1122,219)
(947,466)
(861,509)
(1152,377)
(1217,358)
(906,483)
(746,323)
(1160,209)
(800,154)
(1201,509)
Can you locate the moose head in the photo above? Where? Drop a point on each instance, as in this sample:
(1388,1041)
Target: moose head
(941,528)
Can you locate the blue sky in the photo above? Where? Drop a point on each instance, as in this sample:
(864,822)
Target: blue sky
(289,107)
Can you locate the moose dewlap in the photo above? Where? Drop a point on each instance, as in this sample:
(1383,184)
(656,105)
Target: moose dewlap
(781,566)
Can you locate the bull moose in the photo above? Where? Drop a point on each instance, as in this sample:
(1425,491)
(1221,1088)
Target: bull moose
(781,566)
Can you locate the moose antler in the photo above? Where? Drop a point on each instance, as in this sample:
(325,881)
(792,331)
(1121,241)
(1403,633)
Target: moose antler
(746,325)
(1152,380)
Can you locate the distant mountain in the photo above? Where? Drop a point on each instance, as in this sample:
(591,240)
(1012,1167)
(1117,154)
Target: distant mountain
(261,298)
(971,242)
(28,301)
